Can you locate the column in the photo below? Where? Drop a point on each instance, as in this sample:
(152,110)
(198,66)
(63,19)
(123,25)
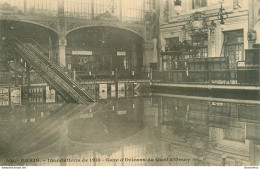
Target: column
(16,62)
(62,33)
(252,153)
(148,55)
(155,51)
(25,6)
(251,8)
(92,9)
(62,50)
(120,8)
(134,57)
(1,35)
(27,81)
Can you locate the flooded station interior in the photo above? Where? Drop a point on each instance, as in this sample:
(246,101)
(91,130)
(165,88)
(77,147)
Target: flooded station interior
(129,83)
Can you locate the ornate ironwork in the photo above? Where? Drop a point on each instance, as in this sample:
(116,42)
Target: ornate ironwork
(148,24)
(197,24)
(166,11)
(222,15)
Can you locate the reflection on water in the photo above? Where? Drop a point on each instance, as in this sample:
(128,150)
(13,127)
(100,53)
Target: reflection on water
(156,130)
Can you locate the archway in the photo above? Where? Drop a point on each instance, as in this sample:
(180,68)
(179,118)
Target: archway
(103,49)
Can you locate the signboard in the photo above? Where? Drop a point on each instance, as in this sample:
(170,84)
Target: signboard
(16,96)
(103,91)
(84,53)
(4,96)
(122,112)
(241,64)
(121,53)
(50,95)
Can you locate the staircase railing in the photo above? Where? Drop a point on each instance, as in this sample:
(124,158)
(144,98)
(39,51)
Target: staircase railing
(61,74)
(61,68)
(37,62)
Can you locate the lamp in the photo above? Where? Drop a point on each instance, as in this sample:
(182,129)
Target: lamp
(222,15)
(177,7)
(112,6)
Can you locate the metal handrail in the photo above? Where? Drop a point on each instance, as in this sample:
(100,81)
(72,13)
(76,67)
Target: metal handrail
(46,68)
(207,76)
(64,69)
(68,77)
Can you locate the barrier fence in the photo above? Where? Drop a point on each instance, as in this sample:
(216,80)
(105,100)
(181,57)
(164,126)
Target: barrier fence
(243,76)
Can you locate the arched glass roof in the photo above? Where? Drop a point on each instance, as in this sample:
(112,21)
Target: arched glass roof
(125,10)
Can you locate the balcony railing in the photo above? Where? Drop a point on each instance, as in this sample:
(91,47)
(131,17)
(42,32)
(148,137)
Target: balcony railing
(241,76)
(113,76)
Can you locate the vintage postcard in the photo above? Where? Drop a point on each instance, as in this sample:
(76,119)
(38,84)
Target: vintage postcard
(129,83)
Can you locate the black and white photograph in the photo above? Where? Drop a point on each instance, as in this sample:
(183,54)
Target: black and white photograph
(129,83)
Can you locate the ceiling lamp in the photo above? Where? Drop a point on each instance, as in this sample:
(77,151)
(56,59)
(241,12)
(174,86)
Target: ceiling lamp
(177,7)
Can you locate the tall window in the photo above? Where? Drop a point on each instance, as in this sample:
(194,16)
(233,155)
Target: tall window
(200,44)
(233,46)
(198,3)
(171,43)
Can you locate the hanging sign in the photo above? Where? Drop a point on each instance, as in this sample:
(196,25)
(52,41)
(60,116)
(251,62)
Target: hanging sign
(121,53)
(84,53)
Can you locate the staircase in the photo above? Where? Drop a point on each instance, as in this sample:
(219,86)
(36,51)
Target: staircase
(56,74)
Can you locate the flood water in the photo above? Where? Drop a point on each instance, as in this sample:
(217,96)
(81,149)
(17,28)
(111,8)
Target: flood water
(158,129)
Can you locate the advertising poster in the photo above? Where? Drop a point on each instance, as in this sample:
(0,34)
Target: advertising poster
(103,91)
(121,86)
(113,90)
(50,95)
(4,96)
(15,96)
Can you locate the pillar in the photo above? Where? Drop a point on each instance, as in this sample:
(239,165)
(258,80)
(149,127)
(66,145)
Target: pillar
(62,50)
(252,153)
(148,55)
(120,9)
(134,58)
(16,62)
(25,6)
(1,35)
(27,81)
(250,22)
(92,9)
(155,51)
(62,33)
